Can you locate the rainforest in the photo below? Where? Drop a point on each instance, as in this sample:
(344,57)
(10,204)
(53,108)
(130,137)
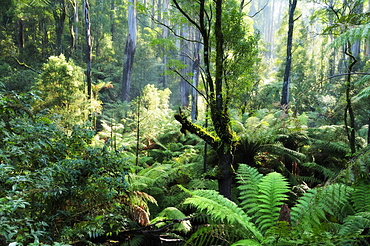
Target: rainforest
(184,122)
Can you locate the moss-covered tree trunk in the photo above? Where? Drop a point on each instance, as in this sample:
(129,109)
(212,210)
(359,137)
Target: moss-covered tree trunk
(216,97)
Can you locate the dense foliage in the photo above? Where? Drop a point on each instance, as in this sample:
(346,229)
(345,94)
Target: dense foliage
(78,166)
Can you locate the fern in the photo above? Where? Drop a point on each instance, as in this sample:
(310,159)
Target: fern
(248,179)
(290,155)
(352,35)
(261,196)
(246,242)
(354,226)
(272,191)
(223,210)
(315,206)
(136,240)
(215,234)
(361,198)
(328,173)
(172,213)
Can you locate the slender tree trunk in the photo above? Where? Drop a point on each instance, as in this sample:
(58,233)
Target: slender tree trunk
(111,18)
(129,52)
(165,34)
(194,93)
(137,132)
(59,13)
(184,57)
(89,47)
(286,84)
(74,26)
(21,33)
(368,131)
(348,112)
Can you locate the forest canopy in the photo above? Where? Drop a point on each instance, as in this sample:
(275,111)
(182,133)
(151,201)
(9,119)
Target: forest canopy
(175,122)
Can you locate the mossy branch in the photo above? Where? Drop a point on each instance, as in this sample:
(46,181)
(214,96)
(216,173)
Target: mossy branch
(187,125)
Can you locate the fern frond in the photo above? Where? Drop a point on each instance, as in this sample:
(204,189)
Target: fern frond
(206,235)
(352,35)
(315,205)
(355,224)
(248,179)
(140,215)
(290,155)
(173,213)
(273,189)
(339,149)
(328,173)
(361,197)
(308,179)
(136,240)
(362,95)
(216,234)
(223,210)
(246,242)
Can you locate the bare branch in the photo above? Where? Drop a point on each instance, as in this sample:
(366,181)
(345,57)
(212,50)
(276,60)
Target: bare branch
(259,11)
(344,74)
(191,84)
(173,31)
(186,15)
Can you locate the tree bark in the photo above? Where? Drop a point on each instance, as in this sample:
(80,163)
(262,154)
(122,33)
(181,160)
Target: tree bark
(165,34)
(89,48)
(74,26)
(59,13)
(224,142)
(348,112)
(194,93)
(286,84)
(129,52)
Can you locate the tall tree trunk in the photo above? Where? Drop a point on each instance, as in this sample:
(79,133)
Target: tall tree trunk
(74,27)
(196,72)
(223,143)
(111,18)
(59,13)
(165,34)
(129,52)
(89,47)
(286,84)
(21,33)
(184,57)
(219,112)
(348,112)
